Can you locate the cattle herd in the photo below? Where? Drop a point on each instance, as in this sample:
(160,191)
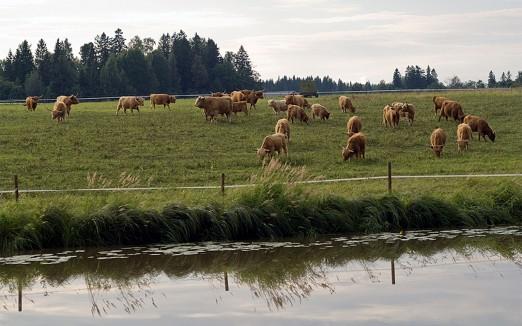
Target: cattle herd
(295,106)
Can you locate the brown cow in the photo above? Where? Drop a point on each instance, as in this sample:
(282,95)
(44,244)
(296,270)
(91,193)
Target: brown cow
(238,96)
(239,107)
(356,146)
(452,109)
(437,141)
(283,127)
(297,112)
(162,99)
(345,104)
(31,102)
(438,100)
(390,117)
(69,101)
(218,94)
(464,135)
(129,103)
(253,97)
(277,106)
(214,106)
(353,126)
(294,99)
(477,124)
(408,111)
(271,144)
(320,111)
(59,111)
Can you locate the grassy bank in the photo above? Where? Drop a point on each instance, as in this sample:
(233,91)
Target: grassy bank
(267,211)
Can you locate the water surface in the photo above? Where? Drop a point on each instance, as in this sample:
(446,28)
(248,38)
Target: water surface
(460,277)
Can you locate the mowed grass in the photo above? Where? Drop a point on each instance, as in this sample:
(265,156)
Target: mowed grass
(179,148)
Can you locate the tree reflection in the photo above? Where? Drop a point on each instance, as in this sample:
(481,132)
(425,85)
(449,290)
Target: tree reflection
(281,276)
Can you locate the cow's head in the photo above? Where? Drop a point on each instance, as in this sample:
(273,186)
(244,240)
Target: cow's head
(437,149)
(200,102)
(140,101)
(462,144)
(327,115)
(347,153)
(262,152)
(492,135)
(172,99)
(74,99)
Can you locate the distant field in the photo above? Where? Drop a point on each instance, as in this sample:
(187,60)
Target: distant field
(178,147)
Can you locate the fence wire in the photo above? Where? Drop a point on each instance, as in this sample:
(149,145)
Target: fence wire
(237,186)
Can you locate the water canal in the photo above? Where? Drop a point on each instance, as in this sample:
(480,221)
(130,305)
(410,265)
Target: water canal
(466,277)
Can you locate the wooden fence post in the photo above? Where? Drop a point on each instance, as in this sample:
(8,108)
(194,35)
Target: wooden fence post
(16,193)
(223,184)
(389,177)
(226,282)
(393,271)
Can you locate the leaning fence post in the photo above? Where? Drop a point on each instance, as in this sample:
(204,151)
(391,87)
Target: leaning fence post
(389,177)
(16,193)
(223,184)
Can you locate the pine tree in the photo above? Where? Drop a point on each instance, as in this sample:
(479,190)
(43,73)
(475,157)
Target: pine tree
(503,80)
(158,64)
(9,69)
(175,83)
(148,45)
(509,79)
(165,45)
(397,79)
(113,81)
(199,75)
(23,62)
(492,81)
(137,71)
(103,48)
(243,66)
(33,84)
(63,70)
(42,61)
(89,73)
(183,53)
(117,43)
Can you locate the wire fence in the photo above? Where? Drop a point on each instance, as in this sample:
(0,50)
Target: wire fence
(275,94)
(224,186)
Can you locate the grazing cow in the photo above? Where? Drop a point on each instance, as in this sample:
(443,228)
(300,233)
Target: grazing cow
(283,127)
(297,112)
(59,111)
(320,111)
(238,96)
(452,109)
(31,102)
(345,104)
(239,107)
(477,124)
(464,135)
(271,144)
(408,111)
(390,117)
(69,101)
(356,146)
(438,100)
(294,99)
(213,106)
(353,126)
(437,141)
(253,97)
(162,99)
(129,103)
(277,106)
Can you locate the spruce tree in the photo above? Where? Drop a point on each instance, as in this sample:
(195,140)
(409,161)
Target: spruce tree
(89,73)
(23,62)
(148,45)
(184,58)
(492,81)
(33,84)
(199,75)
(397,79)
(175,83)
(103,48)
(9,70)
(42,60)
(159,65)
(165,45)
(248,78)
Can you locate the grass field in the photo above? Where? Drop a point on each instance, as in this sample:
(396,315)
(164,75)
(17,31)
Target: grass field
(178,148)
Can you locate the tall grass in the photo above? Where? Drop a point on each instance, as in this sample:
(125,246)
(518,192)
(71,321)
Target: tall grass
(275,208)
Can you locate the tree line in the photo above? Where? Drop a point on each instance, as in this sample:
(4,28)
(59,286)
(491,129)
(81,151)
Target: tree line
(112,66)
(177,64)
(414,77)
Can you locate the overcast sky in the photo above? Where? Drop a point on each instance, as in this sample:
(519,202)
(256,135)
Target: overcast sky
(352,40)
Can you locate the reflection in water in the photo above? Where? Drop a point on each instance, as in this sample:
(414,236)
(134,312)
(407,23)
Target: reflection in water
(282,274)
